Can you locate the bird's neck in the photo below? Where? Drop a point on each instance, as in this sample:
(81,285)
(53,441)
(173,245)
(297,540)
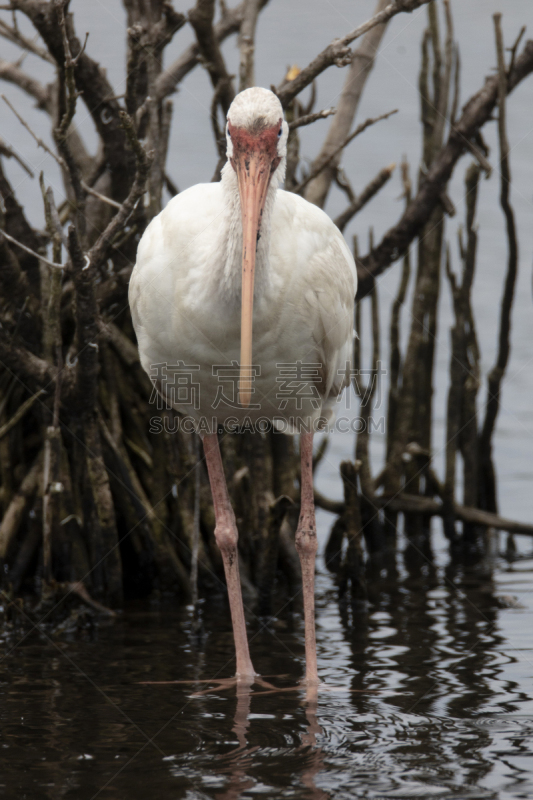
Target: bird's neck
(231,266)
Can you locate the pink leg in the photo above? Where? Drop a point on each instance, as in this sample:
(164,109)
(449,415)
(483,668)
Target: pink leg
(306,545)
(226,535)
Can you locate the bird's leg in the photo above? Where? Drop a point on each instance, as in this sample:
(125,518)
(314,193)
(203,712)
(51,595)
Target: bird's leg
(226,535)
(306,544)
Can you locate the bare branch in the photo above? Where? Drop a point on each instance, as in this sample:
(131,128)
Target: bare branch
(8,152)
(414,503)
(29,250)
(67,97)
(190,58)
(338,51)
(92,82)
(394,330)
(341,179)
(32,371)
(366,195)
(219,136)
(14,513)
(51,284)
(483,162)
(15,223)
(15,75)
(496,374)
(247,44)
(201,19)
(476,112)
(86,325)
(46,101)
(15,36)
(20,412)
(360,128)
(37,139)
(361,66)
(514,48)
(98,251)
(101,197)
(307,119)
(70,84)
(106,536)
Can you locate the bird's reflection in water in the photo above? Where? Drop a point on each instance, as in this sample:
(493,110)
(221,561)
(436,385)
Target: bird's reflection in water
(239,760)
(315,758)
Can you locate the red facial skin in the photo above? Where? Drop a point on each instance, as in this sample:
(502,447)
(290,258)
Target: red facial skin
(264,142)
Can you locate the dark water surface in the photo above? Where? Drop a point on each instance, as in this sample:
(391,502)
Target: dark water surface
(428,694)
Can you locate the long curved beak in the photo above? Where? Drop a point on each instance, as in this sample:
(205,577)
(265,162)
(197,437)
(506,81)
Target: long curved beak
(253,173)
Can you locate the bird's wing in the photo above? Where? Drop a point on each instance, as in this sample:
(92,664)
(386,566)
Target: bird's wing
(173,245)
(325,271)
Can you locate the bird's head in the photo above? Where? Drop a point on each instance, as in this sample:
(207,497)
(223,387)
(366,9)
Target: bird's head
(256,135)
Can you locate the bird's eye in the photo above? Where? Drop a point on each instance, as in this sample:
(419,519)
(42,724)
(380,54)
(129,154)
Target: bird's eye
(280,132)
(229,134)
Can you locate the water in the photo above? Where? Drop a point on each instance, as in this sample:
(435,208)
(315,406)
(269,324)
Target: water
(428,694)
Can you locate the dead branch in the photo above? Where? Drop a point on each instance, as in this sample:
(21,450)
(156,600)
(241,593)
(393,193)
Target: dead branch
(92,83)
(100,196)
(67,96)
(8,152)
(46,100)
(24,269)
(269,552)
(488,498)
(333,506)
(461,415)
(352,569)
(15,512)
(20,412)
(483,162)
(342,181)
(476,113)
(29,250)
(190,58)
(201,19)
(366,195)
(87,325)
(52,351)
(414,406)
(79,588)
(33,372)
(37,139)
(106,556)
(247,44)
(394,329)
(307,119)
(15,75)
(361,66)
(338,51)
(98,251)
(414,503)
(360,128)
(14,35)
(124,348)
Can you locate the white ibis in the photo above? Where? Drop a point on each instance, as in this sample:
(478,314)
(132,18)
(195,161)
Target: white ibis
(227,260)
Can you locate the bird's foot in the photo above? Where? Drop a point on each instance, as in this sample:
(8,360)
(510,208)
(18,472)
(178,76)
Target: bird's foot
(245,683)
(314,687)
(220,684)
